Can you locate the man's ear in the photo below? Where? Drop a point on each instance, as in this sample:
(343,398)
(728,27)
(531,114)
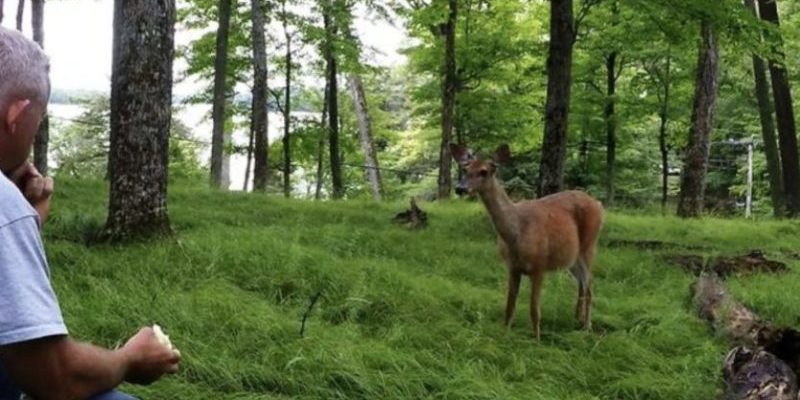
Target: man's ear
(502,155)
(14,113)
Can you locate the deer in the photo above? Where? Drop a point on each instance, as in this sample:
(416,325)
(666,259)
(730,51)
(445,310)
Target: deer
(535,237)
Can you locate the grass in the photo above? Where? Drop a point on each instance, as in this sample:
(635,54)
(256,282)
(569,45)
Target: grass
(413,315)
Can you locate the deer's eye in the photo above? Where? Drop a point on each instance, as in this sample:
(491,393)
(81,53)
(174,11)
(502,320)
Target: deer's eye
(483,173)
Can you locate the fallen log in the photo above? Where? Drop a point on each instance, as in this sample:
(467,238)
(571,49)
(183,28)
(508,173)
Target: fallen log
(758,375)
(726,316)
(765,362)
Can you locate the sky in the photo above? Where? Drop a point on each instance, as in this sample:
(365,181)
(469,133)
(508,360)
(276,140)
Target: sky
(78,37)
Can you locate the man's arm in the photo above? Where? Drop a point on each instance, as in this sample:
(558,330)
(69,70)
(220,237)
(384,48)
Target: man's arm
(58,367)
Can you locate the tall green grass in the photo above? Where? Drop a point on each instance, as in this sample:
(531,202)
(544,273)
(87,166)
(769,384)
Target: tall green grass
(403,314)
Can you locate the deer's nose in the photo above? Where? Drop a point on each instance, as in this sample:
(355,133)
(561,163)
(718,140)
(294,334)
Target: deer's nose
(461,190)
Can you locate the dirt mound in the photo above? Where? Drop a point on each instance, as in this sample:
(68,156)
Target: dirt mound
(724,266)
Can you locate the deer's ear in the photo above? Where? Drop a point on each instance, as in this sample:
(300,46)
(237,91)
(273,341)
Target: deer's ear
(502,155)
(460,153)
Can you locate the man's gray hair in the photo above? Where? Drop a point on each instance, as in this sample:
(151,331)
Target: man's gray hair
(24,69)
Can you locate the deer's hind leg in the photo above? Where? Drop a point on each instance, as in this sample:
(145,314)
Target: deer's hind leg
(583,309)
(581,280)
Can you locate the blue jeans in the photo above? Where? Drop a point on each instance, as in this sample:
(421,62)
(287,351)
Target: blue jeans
(112,395)
(10,392)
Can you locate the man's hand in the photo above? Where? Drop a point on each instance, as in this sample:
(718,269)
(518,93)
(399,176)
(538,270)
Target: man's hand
(37,189)
(148,359)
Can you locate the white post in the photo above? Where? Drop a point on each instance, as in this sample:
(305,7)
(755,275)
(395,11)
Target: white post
(749,201)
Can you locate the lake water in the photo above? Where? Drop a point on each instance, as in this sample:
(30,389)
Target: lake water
(198,118)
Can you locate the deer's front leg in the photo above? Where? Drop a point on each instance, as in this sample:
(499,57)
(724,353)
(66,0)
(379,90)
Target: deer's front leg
(513,291)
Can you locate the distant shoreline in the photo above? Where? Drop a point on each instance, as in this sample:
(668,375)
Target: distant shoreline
(76,96)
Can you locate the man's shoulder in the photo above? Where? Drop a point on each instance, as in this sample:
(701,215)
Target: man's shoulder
(13,205)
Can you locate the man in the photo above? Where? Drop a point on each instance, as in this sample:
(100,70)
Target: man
(37,356)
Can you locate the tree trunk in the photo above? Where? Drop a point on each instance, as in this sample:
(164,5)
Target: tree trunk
(250,144)
(768,135)
(40,147)
(1,11)
(141,110)
(610,114)
(690,203)
(459,128)
(321,146)
(20,14)
(333,103)
(449,88)
(226,164)
(287,112)
(259,105)
(662,137)
(559,81)
(611,126)
(787,131)
(220,89)
(765,111)
(365,135)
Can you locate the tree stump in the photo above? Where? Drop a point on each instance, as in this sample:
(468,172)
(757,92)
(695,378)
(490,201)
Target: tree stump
(764,365)
(413,218)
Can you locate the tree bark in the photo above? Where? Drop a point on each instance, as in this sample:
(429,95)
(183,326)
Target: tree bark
(141,110)
(765,111)
(449,88)
(220,89)
(459,129)
(287,111)
(250,145)
(20,14)
(662,136)
(690,203)
(611,126)
(259,102)
(321,146)
(787,131)
(365,135)
(559,82)
(333,102)
(41,144)
(610,113)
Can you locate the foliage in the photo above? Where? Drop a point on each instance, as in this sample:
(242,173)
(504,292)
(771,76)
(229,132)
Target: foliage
(501,56)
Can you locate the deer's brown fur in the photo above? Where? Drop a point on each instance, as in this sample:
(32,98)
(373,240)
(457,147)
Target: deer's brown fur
(537,236)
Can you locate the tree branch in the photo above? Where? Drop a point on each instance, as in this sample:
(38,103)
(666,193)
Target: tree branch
(417,5)
(582,13)
(620,67)
(594,86)
(278,99)
(308,312)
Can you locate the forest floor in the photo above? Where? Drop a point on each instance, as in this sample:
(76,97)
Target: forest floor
(402,314)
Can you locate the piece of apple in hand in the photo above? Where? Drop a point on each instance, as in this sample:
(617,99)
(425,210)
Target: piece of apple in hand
(164,339)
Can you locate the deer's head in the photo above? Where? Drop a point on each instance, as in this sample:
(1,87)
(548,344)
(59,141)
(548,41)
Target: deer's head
(478,173)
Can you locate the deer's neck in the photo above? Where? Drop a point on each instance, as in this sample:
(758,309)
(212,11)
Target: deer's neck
(502,211)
